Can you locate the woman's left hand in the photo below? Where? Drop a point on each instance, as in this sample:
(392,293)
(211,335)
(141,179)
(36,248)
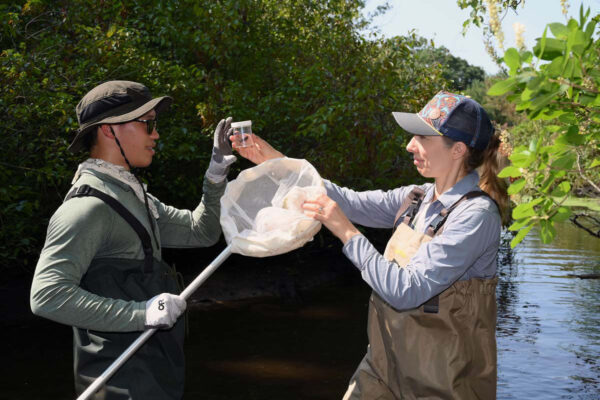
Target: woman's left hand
(328,212)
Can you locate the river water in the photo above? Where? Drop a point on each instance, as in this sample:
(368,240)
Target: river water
(307,347)
(549,319)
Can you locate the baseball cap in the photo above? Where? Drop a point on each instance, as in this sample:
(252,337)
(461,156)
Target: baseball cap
(114,102)
(452,115)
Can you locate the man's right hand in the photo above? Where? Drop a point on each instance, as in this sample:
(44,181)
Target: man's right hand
(260,152)
(163,310)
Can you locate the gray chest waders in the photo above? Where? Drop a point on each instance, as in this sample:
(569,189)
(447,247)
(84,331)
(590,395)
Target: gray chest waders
(155,371)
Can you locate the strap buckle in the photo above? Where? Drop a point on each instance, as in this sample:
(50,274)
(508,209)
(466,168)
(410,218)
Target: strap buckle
(83,190)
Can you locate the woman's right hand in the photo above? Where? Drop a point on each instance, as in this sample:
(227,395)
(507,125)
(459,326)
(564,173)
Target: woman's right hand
(259,152)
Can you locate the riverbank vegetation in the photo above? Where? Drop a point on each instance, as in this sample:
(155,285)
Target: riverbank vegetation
(305,72)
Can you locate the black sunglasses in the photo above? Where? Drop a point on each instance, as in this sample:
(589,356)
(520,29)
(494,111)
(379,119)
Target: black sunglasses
(151,125)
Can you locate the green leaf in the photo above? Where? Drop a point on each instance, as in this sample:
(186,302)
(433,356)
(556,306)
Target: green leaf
(562,214)
(524,210)
(510,171)
(519,224)
(564,162)
(541,101)
(547,231)
(562,189)
(572,137)
(500,88)
(111,30)
(595,163)
(559,30)
(541,43)
(527,57)
(552,48)
(512,58)
(522,158)
(516,186)
(520,236)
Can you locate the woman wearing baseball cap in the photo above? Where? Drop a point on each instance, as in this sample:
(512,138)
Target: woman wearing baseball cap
(101,269)
(432,314)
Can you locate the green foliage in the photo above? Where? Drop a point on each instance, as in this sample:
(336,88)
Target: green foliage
(311,83)
(559,148)
(499,108)
(459,73)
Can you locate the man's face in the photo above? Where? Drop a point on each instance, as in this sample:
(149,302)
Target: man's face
(137,144)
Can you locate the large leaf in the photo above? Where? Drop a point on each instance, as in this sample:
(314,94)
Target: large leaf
(510,171)
(562,189)
(523,210)
(565,162)
(552,49)
(501,87)
(516,186)
(562,214)
(519,224)
(512,59)
(520,236)
(560,31)
(547,231)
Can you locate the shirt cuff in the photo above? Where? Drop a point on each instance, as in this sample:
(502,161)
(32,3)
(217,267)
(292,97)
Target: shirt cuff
(139,314)
(359,250)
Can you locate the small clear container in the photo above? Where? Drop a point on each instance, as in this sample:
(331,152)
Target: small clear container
(243,133)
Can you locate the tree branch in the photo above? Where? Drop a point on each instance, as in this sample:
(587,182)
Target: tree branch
(585,228)
(574,85)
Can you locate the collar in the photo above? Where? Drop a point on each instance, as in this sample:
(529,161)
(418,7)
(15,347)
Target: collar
(116,173)
(467,184)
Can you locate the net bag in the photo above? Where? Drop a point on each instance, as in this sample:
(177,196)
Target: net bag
(261,210)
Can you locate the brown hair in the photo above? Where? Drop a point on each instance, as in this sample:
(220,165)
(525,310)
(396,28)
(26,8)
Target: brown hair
(90,140)
(490,162)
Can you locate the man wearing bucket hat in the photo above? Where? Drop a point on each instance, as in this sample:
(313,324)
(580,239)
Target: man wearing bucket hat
(101,269)
(432,314)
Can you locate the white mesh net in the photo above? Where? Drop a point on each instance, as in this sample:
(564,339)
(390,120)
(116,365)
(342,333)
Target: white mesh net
(261,210)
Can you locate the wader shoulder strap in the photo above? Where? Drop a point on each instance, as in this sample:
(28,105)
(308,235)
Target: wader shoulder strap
(409,207)
(432,305)
(86,190)
(441,218)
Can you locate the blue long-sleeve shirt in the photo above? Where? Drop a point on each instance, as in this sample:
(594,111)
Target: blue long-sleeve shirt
(467,248)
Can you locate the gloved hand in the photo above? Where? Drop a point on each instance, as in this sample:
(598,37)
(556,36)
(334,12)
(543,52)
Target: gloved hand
(163,310)
(222,156)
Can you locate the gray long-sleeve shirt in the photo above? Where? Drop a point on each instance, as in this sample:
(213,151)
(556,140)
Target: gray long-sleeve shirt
(467,247)
(86,228)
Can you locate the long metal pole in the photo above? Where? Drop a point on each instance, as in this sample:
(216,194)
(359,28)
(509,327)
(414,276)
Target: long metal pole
(133,347)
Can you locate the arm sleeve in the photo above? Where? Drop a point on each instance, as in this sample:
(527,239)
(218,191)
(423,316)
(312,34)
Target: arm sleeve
(198,228)
(436,265)
(76,232)
(374,208)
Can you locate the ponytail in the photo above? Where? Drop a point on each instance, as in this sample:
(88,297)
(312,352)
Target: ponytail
(489,163)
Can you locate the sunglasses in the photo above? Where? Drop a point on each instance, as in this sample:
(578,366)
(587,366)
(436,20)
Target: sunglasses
(151,124)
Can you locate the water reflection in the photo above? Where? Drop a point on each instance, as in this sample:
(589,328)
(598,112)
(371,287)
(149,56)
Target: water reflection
(549,318)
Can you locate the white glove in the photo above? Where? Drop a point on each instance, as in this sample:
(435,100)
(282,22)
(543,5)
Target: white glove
(163,310)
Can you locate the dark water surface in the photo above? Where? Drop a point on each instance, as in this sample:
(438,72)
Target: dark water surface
(308,347)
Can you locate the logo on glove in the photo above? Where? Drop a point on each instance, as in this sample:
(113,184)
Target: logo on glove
(161,305)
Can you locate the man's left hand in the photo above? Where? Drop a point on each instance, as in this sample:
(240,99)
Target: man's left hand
(222,156)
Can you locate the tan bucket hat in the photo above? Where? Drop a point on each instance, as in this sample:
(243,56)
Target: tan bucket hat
(114,102)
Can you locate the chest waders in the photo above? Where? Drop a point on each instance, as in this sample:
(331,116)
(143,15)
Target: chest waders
(444,349)
(156,370)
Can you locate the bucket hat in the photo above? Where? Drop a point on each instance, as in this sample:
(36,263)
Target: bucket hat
(452,115)
(114,102)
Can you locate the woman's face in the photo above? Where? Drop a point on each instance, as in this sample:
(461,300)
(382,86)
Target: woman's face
(432,157)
